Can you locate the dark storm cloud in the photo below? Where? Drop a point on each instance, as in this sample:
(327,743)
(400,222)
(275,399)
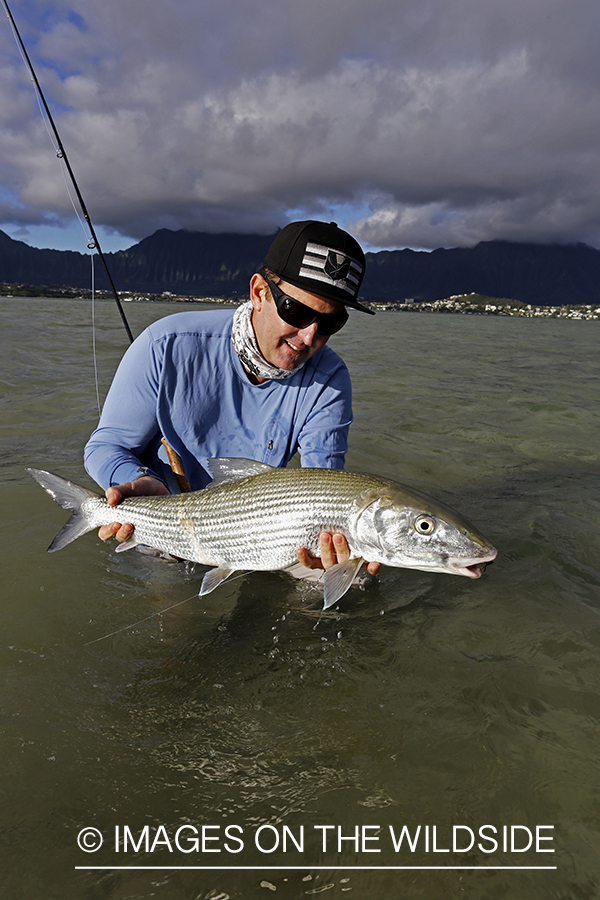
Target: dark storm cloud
(419,123)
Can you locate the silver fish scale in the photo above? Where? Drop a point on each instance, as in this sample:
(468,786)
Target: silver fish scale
(260,522)
(157,520)
(254,523)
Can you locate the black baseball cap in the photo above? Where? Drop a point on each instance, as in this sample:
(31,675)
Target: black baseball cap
(321,258)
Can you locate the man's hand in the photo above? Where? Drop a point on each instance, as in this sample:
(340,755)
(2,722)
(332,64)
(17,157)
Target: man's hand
(144,486)
(334,549)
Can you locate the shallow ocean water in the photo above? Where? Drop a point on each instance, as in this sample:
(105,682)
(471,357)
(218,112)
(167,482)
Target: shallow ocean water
(425,700)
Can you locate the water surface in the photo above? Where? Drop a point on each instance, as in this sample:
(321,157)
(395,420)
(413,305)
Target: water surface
(426,700)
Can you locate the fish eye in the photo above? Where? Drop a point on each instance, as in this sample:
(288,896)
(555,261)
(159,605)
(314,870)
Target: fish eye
(425,525)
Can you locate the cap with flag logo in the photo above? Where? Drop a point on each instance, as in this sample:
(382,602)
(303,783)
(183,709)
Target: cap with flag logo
(321,258)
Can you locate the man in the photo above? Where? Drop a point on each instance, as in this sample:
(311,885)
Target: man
(259,383)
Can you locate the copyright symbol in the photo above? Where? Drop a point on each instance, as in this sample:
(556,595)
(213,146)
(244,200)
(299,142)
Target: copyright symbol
(89,840)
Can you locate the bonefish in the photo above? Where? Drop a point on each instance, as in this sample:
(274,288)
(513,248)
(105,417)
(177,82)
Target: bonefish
(255,517)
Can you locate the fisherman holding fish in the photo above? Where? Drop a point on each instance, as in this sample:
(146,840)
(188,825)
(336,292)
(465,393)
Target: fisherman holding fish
(235,396)
(258,383)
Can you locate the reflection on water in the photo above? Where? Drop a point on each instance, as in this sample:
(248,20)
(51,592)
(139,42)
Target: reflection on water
(424,700)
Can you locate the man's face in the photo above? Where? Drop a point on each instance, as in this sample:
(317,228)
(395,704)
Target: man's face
(281,344)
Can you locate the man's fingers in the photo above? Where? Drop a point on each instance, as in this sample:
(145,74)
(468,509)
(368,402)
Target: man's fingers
(124,532)
(113,496)
(107,531)
(327,550)
(146,485)
(115,529)
(308,560)
(333,547)
(341,548)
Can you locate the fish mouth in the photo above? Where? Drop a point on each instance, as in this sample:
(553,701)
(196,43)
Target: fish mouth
(473,568)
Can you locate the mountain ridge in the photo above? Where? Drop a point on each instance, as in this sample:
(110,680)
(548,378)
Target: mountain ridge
(203,264)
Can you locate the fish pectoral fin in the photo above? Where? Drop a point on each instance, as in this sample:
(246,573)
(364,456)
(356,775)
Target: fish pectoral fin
(213,579)
(129,544)
(338,579)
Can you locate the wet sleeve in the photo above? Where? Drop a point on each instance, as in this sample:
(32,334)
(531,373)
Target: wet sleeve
(129,418)
(323,440)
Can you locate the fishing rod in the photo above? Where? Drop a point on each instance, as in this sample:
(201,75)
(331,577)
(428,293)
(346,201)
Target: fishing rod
(93,244)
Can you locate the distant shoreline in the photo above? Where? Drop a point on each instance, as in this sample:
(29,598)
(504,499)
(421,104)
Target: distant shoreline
(459,304)
(477,305)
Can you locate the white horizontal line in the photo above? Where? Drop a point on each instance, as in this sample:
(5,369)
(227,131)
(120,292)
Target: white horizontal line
(311,868)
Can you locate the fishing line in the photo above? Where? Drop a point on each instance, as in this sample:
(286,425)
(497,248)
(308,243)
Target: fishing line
(61,154)
(93,243)
(57,150)
(139,622)
(94,336)
(87,233)
(44,115)
(154,614)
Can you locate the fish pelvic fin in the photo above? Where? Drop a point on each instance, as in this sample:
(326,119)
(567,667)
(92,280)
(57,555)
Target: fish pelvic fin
(213,579)
(129,544)
(70,496)
(338,580)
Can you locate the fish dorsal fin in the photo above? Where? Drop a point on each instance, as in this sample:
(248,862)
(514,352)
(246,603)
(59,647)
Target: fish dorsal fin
(213,579)
(338,579)
(223,469)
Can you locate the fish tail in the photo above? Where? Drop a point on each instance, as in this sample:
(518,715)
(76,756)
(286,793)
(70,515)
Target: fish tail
(70,496)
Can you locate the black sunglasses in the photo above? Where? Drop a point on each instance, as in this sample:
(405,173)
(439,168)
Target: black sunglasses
(301,316)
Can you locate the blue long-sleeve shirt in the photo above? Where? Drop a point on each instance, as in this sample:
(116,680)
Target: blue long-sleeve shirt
(183,380)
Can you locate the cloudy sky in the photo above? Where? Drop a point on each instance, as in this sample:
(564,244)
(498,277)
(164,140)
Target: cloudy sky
(421,123)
